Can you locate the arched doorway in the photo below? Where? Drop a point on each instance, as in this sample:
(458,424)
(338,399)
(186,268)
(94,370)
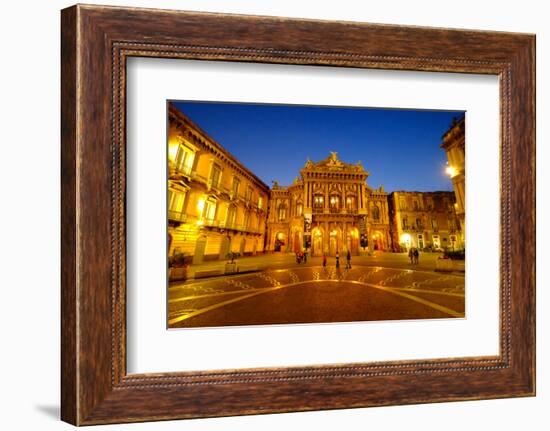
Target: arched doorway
(317,243)
(279,241)
(378,241)
(297,242)
(335,241)
(352,240)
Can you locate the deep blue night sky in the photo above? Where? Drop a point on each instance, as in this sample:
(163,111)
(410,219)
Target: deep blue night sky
(399,148)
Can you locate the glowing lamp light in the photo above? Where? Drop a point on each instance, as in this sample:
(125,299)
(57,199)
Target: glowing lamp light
(173,150)
(406,238)
(451,171)
(200,204)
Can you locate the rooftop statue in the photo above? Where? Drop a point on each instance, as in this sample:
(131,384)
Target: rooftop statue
(333,159)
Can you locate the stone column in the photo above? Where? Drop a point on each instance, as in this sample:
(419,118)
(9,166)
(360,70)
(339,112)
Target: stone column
(326,203)
(345,236)
(326,238)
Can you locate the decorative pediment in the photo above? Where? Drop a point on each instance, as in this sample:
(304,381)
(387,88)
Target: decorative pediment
(333,163)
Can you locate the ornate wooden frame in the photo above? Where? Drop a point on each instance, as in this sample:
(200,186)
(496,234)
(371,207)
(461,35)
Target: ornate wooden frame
(95,43)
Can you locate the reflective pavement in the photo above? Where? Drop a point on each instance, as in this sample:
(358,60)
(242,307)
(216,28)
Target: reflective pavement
(313,294)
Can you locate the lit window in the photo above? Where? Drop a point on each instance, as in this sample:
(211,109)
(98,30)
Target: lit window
(318,202)
(184,158)
(175,200)
(351,203)
(334,203)
(209,210)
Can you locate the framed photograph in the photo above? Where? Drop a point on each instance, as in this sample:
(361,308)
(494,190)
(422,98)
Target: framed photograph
(263,214)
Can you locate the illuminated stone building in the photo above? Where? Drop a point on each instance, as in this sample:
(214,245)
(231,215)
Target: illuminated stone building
(454,146)
(215,204)
(328,209)
(424,220)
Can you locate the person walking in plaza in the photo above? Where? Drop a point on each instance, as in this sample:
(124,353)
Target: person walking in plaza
(411,255)
(337,260)
(305,255)
(324,260)
(416,254)
(348,260)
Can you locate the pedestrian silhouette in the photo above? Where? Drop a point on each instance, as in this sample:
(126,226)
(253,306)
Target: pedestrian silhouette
(348,260)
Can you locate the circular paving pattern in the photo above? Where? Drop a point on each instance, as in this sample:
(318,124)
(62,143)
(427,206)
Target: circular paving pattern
(315,294)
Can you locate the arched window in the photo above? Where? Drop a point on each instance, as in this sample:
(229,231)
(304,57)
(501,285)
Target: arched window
(334,203)
(318,203)
(299,208)
(375,213)
(351,204)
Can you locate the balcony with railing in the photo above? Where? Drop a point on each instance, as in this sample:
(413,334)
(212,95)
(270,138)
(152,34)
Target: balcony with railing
(214,184)
(185,170)
(177,216)
(237,227)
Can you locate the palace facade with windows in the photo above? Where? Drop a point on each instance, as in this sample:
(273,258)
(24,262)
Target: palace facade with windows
(215,204)
(327,209)
(424,220)
(454,146)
